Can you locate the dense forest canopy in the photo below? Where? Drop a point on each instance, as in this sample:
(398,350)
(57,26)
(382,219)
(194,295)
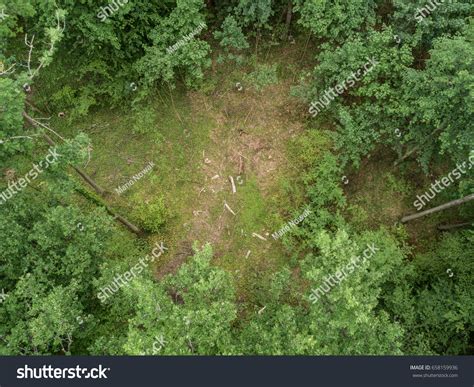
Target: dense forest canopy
(236,177)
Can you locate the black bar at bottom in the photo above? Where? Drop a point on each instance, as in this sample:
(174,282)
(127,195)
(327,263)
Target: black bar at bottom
(245,371)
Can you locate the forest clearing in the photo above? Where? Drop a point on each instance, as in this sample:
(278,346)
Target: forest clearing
(267,177)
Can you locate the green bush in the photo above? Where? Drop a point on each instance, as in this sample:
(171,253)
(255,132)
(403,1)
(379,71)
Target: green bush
(264,75)
(232,40)
(151,214)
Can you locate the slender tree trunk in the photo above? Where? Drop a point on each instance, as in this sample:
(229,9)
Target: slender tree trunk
(33,107)
(289,14)
(415,149)
(405,156)
(125,222)
(448,227)
(84,175)
(91,182)
(174,107)
(256,44)
(445,206)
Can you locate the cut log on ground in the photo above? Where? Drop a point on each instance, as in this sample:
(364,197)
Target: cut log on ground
(445,206)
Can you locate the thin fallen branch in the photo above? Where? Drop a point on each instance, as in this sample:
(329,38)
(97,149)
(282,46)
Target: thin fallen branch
(60,28)
(8,71)
(50,141)
(35,122)
(15,137)
(414,149)
(33,107)
(233,184)
(230,209)
(254,234)
(241,164)
(30,46)
(124,221)
(115,216)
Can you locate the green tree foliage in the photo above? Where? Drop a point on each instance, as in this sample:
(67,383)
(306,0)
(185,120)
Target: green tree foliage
(128,46)
(276,328)
(444,294)
(189,60)
(11,24)
(335,21)
(59,248)
(189,313)
(348,319)
(231,39)
(418,25)
(12,101)
(396,104)
(434,303)
(256,13)
(54,319)
(441,96)
(361,122)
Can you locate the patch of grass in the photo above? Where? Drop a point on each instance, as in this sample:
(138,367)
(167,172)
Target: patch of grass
(167,134)
(177,131)
(254,215)
(375,197)
(262,76)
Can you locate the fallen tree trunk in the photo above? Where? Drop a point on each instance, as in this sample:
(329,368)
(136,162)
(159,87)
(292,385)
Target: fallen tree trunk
(86,177)
(445,206)
(448,227)
(125,222)
(91,182)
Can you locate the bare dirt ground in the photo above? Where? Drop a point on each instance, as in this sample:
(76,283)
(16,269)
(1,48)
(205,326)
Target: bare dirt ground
(248,139)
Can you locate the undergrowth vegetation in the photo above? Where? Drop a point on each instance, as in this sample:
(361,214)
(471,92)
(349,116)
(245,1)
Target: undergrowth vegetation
(214,253)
